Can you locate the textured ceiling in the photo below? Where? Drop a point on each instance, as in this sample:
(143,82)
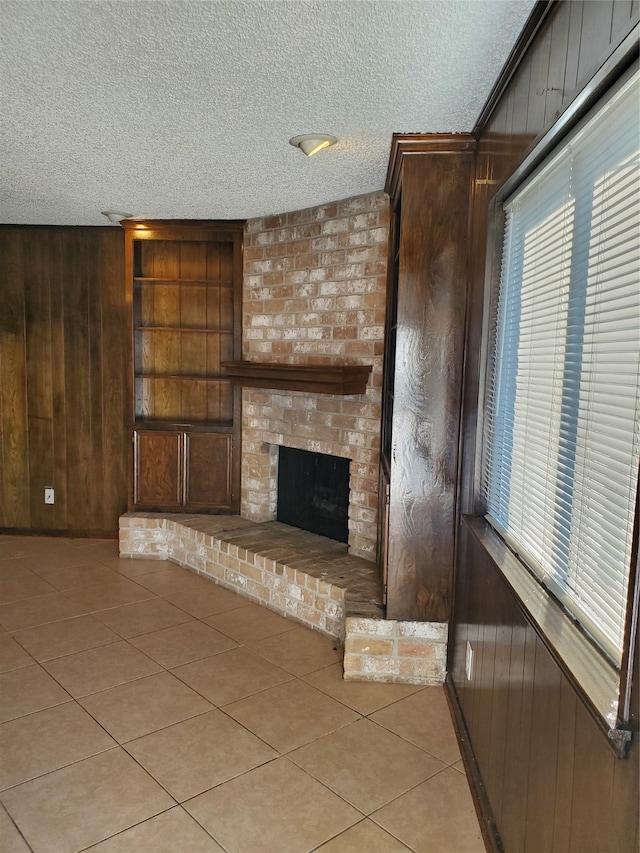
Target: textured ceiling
(184,109)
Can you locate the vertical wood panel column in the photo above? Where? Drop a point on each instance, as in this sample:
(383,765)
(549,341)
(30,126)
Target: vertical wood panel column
(57,290)
(114,370)
(37,272)
(77,367)
(14,433)
(431,177)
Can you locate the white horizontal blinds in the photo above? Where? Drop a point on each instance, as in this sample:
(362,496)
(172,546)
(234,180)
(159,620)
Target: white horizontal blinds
(562,428)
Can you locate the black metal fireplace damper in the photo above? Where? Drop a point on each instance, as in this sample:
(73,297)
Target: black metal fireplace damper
(313,492)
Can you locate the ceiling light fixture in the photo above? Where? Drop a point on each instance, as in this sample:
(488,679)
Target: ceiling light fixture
(115,216)
(311,143)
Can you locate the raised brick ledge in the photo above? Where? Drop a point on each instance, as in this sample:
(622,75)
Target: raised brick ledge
(301,576)
(394,651)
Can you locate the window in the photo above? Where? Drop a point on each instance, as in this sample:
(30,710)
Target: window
(562,413)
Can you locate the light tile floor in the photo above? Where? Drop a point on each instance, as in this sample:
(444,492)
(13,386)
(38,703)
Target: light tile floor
(145,710)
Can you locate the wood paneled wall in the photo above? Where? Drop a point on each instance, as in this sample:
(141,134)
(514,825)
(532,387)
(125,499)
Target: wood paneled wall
(63,339)
(552,782)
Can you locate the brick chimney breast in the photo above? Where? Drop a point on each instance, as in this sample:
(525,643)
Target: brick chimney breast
(315,293)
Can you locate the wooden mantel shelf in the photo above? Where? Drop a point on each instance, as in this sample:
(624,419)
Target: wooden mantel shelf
(340,379)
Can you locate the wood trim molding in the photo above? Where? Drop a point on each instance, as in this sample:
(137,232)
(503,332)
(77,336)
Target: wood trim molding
(405,144)
(66,532)
(488,825)
(339,379)
(186,229)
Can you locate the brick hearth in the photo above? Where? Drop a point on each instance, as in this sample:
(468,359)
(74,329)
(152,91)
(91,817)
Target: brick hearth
(301,576)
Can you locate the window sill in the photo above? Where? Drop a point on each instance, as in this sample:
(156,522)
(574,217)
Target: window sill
(596,681)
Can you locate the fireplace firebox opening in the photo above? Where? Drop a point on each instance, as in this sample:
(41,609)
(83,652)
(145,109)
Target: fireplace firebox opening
(313,492)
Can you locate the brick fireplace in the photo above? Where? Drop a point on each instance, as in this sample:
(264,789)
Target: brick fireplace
(314,292)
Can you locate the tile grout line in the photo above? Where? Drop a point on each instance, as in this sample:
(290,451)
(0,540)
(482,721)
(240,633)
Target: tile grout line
(300,678)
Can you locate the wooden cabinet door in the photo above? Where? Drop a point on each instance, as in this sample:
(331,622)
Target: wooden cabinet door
(209,480)
(158,469)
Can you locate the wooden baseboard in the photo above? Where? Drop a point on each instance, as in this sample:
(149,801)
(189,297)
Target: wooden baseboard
(488,826)
(66,534)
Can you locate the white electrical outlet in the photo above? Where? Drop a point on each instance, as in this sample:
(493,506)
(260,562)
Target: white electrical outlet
(49,495)
(468,664)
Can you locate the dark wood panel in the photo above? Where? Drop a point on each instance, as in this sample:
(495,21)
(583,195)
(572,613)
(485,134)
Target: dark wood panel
(481,243)
(220,401)
(193,264)
(37,271)
(518,735)
(214,296)
(538,81)
(14,430)
(574,36)
(565,768)
(595,37)
(427,379)
(561,787)
(592,810)
(625,804)
(193,352)
(543,751)
(114,370)
(623,13)
(209,471)
(572,43)
(77,379)
(165,263)
(522,95)
(57,286)
(166,299)
(96,367)
(217,351)
(226,308)
(193,400)
(484,670)
(499,714)
(158,459)
(193,306)
(62,400)
(559,24)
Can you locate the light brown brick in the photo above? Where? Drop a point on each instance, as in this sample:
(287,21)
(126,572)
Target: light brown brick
(368,647)
(352,663)
(415,650)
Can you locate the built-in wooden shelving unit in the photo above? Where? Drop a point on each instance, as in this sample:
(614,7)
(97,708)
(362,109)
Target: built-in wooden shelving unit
(184,286)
